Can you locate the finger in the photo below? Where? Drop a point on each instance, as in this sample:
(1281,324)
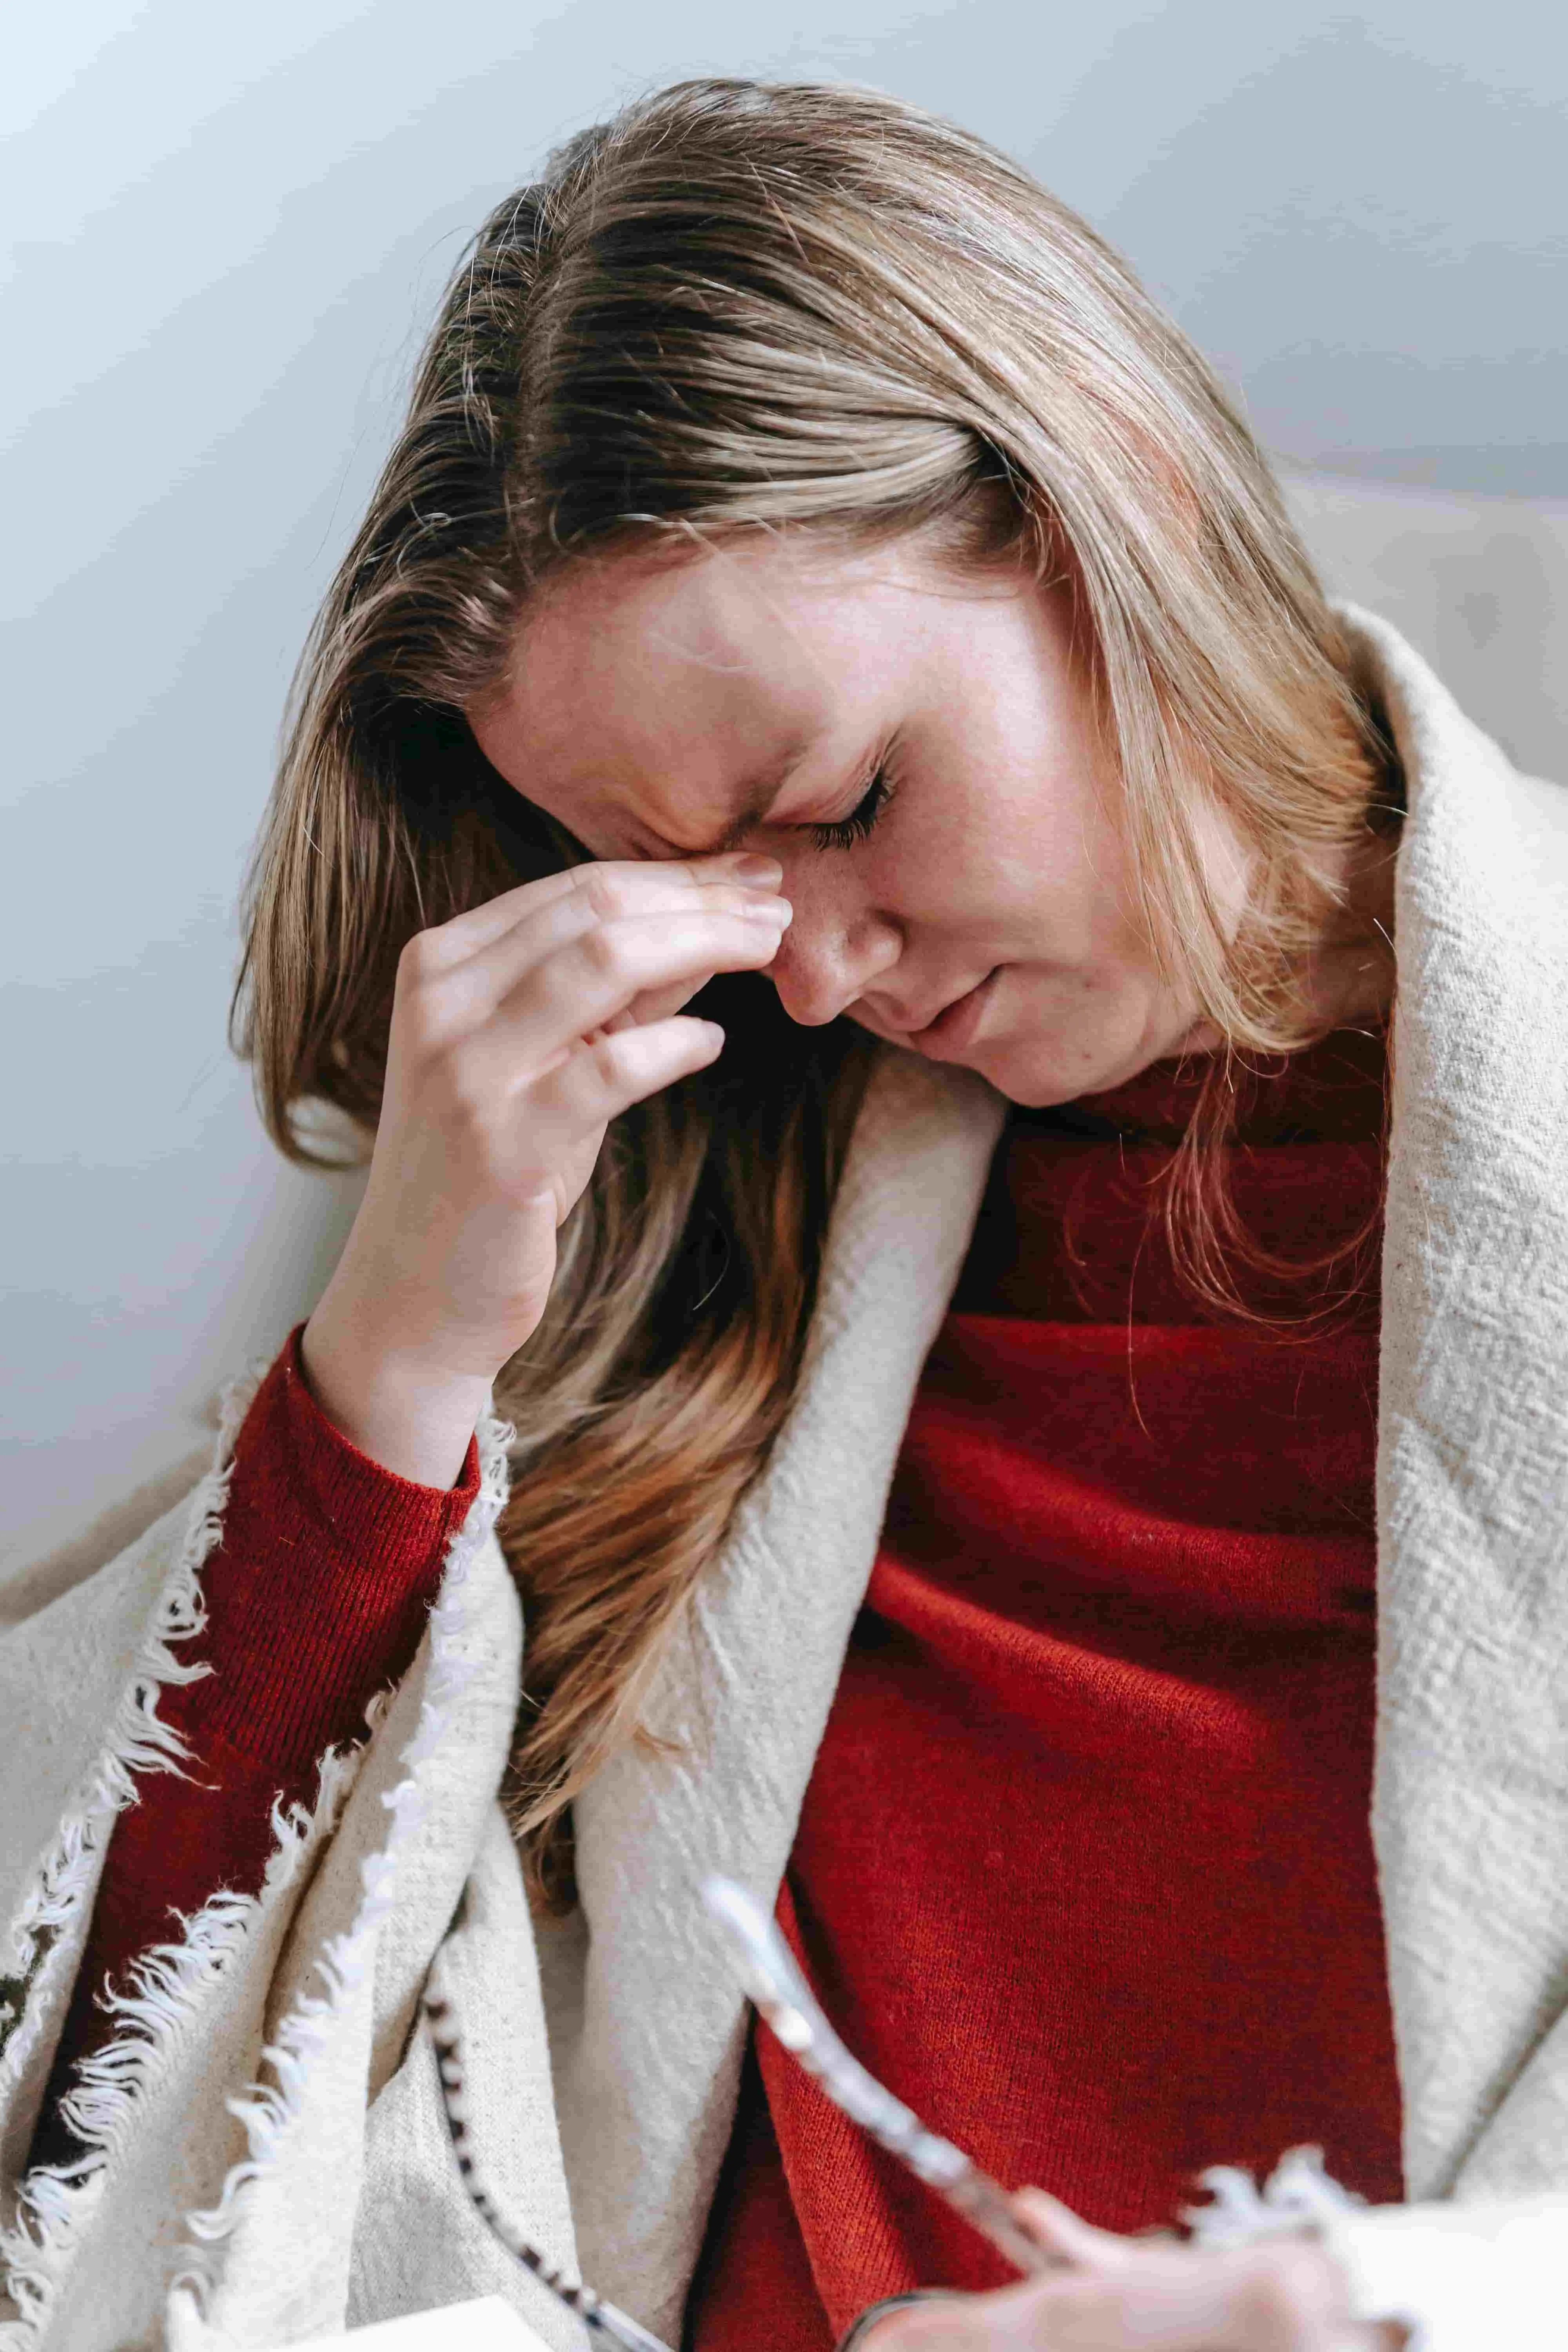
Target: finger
(468,934)
(585,984)
(1058,2229)
(477,986)
(656,1004)
(608,1074)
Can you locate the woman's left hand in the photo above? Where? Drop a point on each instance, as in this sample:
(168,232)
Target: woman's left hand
(1142,2295)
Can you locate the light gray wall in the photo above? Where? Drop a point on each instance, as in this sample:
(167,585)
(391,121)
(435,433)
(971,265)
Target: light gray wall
(230,225)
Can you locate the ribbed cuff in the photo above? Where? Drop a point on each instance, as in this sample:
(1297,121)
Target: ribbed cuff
(352,1486)
(317,1592)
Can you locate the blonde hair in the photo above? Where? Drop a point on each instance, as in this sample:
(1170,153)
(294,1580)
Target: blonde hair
(733,307)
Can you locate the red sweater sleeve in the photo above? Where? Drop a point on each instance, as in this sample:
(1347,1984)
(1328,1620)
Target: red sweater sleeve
(316,1596)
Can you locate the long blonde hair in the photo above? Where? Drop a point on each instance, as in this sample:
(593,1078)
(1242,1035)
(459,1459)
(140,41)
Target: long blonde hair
(733,307)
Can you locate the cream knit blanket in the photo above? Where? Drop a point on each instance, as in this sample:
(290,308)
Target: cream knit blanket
(271,2162)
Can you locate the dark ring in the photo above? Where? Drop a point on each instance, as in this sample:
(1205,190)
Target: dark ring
(861,2328)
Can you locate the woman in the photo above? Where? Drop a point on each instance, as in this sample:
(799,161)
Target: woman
(813,580)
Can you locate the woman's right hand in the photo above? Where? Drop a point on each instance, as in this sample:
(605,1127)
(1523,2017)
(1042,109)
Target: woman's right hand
(520,1029)
(1149,2293)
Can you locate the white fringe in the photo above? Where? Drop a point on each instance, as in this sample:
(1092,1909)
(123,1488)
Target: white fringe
(137,1740)
(56,2203)
(1298,2198)
(270,2110)
(53,2203)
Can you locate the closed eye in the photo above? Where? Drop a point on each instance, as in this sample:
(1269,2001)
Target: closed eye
(846,831)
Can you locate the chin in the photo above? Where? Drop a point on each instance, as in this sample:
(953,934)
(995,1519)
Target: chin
(1041,1094)
(1037,1085)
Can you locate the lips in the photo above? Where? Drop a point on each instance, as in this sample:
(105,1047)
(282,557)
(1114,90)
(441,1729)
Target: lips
(956,1025)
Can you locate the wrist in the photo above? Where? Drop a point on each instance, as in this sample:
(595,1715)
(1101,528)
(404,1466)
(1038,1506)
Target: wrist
(867,2330)
(411,1416)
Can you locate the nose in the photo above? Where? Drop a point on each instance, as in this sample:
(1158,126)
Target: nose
(830,954)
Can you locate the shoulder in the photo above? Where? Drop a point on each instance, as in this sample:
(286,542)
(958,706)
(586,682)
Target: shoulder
(1480,831)
(1539,806)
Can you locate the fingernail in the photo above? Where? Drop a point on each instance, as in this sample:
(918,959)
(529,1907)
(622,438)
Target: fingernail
(748,866)
(769,910)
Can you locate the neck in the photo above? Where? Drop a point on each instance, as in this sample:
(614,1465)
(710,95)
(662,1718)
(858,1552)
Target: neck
(1350,971)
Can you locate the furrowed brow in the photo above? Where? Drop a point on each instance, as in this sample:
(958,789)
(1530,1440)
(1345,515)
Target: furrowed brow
(761,794)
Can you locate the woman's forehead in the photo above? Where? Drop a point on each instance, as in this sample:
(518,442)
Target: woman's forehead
(683,696)
(759,615)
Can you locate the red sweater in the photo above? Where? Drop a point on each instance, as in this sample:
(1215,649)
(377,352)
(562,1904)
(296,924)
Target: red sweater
(1084,1869)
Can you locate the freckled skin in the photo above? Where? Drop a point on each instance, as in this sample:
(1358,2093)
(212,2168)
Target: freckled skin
(642,699)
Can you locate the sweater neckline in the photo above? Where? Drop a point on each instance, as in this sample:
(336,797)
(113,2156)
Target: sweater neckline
(1332,1091)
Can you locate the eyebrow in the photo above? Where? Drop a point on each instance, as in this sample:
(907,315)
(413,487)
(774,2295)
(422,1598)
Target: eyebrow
(758,803)
(761,794)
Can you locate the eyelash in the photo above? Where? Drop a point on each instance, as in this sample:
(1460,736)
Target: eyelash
(847,830)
